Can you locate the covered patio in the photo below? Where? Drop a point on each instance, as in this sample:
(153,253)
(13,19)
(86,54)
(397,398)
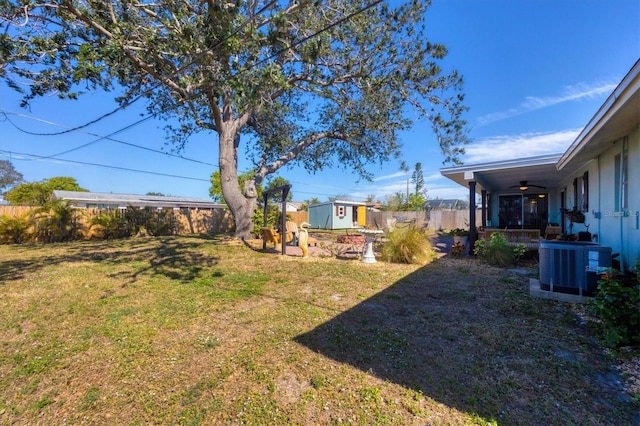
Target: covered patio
(520,196)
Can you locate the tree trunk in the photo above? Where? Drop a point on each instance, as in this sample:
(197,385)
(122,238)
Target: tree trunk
(241,201)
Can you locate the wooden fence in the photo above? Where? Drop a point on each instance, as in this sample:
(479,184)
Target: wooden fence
(191,221)
(187,221)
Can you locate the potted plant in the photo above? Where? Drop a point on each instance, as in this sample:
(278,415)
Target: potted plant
(460,236)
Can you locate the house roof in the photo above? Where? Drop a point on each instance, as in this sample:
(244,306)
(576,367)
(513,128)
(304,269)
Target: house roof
(295,204)
(503,175)
(614,119)
(351,203)
(446,204)
(125,200)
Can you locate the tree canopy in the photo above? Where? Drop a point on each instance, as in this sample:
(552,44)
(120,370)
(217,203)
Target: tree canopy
(9,176)
(39,193)
(321,84)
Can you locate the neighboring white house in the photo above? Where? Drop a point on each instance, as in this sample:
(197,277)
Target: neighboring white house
(294,206)
(599,174)
(100,200)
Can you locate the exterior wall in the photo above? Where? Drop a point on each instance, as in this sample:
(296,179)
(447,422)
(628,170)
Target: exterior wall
(320,216)
(345,221)
(618,229)
(591,223)
(325,215)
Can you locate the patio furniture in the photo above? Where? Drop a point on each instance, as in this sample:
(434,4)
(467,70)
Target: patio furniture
(552,232)
(270,235)
(293,234)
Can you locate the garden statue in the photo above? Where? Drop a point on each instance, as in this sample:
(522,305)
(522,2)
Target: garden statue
(303,238)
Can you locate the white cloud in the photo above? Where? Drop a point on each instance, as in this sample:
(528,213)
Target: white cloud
(391,176)
(519,146)
(533,103)
(437,186)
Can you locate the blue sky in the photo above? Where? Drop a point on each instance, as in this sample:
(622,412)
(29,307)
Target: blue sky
(535,72)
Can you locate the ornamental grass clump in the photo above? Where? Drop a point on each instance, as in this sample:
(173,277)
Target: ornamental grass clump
(407,245)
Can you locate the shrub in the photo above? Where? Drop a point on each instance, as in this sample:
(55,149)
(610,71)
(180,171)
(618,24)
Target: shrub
(121,224)
(109,224)
(258,219)
(14,230)
(458,249)
(617,305)
(496,251)
(55,222)
(407,245)
(148,221)
(459,232)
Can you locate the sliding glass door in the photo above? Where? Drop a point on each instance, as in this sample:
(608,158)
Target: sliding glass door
(523,211)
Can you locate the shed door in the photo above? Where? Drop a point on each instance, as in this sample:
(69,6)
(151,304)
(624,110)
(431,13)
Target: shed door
(362,215)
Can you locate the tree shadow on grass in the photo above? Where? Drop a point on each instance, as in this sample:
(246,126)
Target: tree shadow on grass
(473,339)
(179,259)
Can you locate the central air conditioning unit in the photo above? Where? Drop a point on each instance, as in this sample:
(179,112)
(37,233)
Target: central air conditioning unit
(571,266)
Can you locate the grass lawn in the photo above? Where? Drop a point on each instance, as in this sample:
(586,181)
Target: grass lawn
(190,330)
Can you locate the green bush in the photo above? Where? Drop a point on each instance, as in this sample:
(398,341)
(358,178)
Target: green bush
(111,223)
(496,251)
(407,245)
(128,223)
(150,220)
(14,230)
(617,305)
(258,219)
(55,222)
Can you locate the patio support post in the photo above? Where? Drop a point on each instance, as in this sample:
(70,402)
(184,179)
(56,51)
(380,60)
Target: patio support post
(285,194)
(473,232)
(265,198)
(484,207)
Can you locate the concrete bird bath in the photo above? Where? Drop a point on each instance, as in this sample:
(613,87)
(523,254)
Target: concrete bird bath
(370,235)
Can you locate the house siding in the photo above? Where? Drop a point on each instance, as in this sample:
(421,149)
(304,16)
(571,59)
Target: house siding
(615,228)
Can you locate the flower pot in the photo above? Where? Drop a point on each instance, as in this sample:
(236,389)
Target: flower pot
(463,240)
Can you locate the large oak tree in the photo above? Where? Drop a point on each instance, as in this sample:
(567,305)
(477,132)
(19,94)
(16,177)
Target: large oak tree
(320,83)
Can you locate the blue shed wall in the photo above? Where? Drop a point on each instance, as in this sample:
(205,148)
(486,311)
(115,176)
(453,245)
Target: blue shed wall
(320,216)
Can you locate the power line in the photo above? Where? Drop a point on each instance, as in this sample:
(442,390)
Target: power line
(37,157)
(108,137)
(290,47)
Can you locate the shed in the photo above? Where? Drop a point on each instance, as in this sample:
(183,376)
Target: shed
(338,214)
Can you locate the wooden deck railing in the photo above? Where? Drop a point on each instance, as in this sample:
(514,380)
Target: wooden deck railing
(529,237)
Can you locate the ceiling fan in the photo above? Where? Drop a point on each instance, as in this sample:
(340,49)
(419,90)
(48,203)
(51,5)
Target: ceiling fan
(524,185)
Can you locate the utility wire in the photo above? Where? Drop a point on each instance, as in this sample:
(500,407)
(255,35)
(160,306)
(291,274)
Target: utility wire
(291,47)
(108,137)
(12,155)
(37,157)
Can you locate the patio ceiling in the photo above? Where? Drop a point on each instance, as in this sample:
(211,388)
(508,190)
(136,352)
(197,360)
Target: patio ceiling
(500,176)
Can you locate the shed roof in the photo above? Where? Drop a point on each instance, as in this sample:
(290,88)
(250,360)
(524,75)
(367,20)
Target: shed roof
(351,203)
(125,200)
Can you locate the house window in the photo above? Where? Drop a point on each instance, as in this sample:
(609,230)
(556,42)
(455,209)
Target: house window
(581,192)
(340,211)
